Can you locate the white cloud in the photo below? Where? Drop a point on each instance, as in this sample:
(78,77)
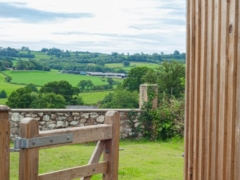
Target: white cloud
(107,25)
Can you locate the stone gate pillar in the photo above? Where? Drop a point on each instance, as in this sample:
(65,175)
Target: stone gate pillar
(144,94)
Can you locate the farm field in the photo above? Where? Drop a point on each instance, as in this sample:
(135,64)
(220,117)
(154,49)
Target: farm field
(132,65)
(92,98)
(42,77)
(138,160)
(9,88)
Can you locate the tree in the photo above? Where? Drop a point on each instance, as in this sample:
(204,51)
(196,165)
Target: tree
(82,84)
(21,98)
(135,78)
(110,81)
(49,100)
(3,94)
(77,101)
(121,99)
(176,53)
(126,63)
(150,77)
(59,87)
(89,84)
(32,87)
(8,79)
(171,78)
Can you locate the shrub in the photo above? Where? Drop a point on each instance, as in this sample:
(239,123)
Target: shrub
(3,94)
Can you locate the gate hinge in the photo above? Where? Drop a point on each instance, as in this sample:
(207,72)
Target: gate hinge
(23,143)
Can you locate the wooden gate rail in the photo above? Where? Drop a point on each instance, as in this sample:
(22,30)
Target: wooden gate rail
(106,134)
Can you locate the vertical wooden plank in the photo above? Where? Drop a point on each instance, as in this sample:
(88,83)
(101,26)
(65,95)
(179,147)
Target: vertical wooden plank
(231,96)
(196,87)
(223,91)
(215,90)
(28,158)
(191,91)
(4,143)
(202,89)
(237,123)
(209,93)
(111,153)
(187,92)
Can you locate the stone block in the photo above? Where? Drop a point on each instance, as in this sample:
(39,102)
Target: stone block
(46,117)
(74,123)
(16,117)
(100,119)
(93,115)
(60,124)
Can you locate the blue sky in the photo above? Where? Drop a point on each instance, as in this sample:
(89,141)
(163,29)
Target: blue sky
(124,26)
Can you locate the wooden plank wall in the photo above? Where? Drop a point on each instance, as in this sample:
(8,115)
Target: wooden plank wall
(212,115)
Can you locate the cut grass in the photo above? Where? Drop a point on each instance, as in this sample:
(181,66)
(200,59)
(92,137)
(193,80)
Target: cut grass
(138,161)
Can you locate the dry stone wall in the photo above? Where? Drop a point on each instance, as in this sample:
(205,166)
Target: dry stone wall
(55,119)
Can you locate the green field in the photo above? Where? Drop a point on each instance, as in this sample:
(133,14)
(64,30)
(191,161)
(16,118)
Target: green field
(40,55)
(42,77)
(92,98)
(9,88)
(138,160)
(132,65)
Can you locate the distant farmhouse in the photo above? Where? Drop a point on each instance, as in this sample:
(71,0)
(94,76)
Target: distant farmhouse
(114,75)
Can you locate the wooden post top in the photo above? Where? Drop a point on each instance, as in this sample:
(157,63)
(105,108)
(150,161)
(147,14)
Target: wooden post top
(4,108)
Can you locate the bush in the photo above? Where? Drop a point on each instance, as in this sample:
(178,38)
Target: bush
(164,122)
(3,94)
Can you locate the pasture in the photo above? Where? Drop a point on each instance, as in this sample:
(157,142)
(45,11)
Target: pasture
(42,77)
(92,98)
(138,160)
(9,88)
(132,65)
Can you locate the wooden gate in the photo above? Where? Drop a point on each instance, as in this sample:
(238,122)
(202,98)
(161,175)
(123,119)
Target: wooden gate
(32,140)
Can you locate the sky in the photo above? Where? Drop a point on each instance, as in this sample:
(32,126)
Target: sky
(123,26)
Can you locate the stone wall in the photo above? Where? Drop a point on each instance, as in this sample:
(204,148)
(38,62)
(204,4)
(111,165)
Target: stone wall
(64,118)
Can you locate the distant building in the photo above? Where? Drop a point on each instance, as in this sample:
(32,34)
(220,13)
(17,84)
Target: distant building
(118,75)
(74,72)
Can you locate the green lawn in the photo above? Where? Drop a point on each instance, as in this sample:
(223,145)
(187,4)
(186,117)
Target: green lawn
(43,77)
(138,160)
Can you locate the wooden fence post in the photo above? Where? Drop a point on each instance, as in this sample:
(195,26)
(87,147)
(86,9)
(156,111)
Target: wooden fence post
(111,152)
(4,143)
(28,160)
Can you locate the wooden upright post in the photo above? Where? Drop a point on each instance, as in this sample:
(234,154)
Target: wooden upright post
(4,143)
(28,160)
(212,113)
(111,152)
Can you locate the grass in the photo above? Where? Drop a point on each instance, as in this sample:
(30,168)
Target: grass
(92,98)
(9,88)
(43,77)
(138,160)
(132,65)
